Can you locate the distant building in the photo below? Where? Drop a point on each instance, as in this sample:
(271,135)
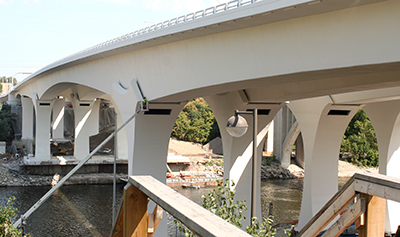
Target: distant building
(6,87)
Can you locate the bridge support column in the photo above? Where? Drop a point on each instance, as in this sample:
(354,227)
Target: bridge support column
(322,125)
(86,124)
(42,139)
(27,117)
(288,143)
(284,123)
(385,119)
(58,118)
(152,131)
(238,151)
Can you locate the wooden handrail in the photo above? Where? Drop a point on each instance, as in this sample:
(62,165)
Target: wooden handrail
(330,210)
(378,185)
(133,220)
(374,188)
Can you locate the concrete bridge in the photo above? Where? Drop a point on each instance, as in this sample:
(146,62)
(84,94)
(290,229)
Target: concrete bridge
(324,59)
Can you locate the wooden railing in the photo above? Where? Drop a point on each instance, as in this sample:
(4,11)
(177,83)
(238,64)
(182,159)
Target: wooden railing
(369,193)
(133,219)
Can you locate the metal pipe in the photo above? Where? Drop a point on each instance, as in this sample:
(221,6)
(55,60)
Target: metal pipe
(115,171)
(77,167)
(255,166)
(254,112)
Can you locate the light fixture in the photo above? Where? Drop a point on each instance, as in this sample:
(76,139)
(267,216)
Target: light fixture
(237,127)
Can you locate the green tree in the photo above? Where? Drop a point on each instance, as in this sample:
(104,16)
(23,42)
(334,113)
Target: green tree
(196,123)
(6,119)
(7,214)
(360,142)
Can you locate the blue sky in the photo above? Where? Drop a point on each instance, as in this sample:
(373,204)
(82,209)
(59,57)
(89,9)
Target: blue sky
(35,33)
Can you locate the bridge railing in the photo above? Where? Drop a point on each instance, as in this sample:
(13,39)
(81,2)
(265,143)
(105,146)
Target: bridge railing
(133,218)
(178,20)
(369,193)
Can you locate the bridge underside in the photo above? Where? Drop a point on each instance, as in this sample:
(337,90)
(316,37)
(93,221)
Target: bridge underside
(338,60)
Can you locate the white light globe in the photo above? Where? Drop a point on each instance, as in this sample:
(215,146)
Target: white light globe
(236,126)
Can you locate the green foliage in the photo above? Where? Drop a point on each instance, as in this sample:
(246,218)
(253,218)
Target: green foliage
(212,162)
(267,160)
(221,202)
(7,213)
(6,119)
(196,123)
(4,79)
(266,229)
(360,142)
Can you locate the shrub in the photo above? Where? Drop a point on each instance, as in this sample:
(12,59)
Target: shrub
(196,123)
(7,214)
(360,141)
(221,202)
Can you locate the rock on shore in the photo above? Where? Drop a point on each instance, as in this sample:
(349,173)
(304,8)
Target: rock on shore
(275,171)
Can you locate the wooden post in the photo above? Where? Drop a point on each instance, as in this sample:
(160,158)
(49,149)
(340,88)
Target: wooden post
(154,220)
(374,223)
(118,227)
(135,212)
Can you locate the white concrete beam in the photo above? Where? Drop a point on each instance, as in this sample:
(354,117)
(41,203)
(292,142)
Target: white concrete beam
(385,119)
(322,135)
(238,151)
(58,118)
(86,124)
(150,145)
(43,126)
(27,117)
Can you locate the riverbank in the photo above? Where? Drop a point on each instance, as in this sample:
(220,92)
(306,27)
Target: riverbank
(202,159)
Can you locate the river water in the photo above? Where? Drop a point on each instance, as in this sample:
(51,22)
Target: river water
(85,210)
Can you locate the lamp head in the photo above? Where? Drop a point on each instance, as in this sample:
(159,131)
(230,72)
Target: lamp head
(236,126)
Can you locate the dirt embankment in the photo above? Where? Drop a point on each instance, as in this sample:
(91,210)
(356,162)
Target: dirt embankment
(270,171)
(196,152)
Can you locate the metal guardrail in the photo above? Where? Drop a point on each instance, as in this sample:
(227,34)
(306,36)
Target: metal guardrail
(174,21)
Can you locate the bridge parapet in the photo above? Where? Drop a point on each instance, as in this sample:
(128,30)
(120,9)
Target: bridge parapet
(174,21)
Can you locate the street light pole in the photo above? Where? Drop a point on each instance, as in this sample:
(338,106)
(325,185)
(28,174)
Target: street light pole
(27,73)
(236,127)
(255,166)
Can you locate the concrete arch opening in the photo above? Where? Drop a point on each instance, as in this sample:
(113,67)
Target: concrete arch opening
(195,124)
(65,120)
(287,139)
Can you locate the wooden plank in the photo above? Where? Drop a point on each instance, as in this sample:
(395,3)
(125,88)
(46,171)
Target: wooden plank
(135,212)
(374,223)
(377,189)
(118,227)
(330,210)
(360,221)
(150,224)
(381,179)
(195,217)
(157,214)
(346,219)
